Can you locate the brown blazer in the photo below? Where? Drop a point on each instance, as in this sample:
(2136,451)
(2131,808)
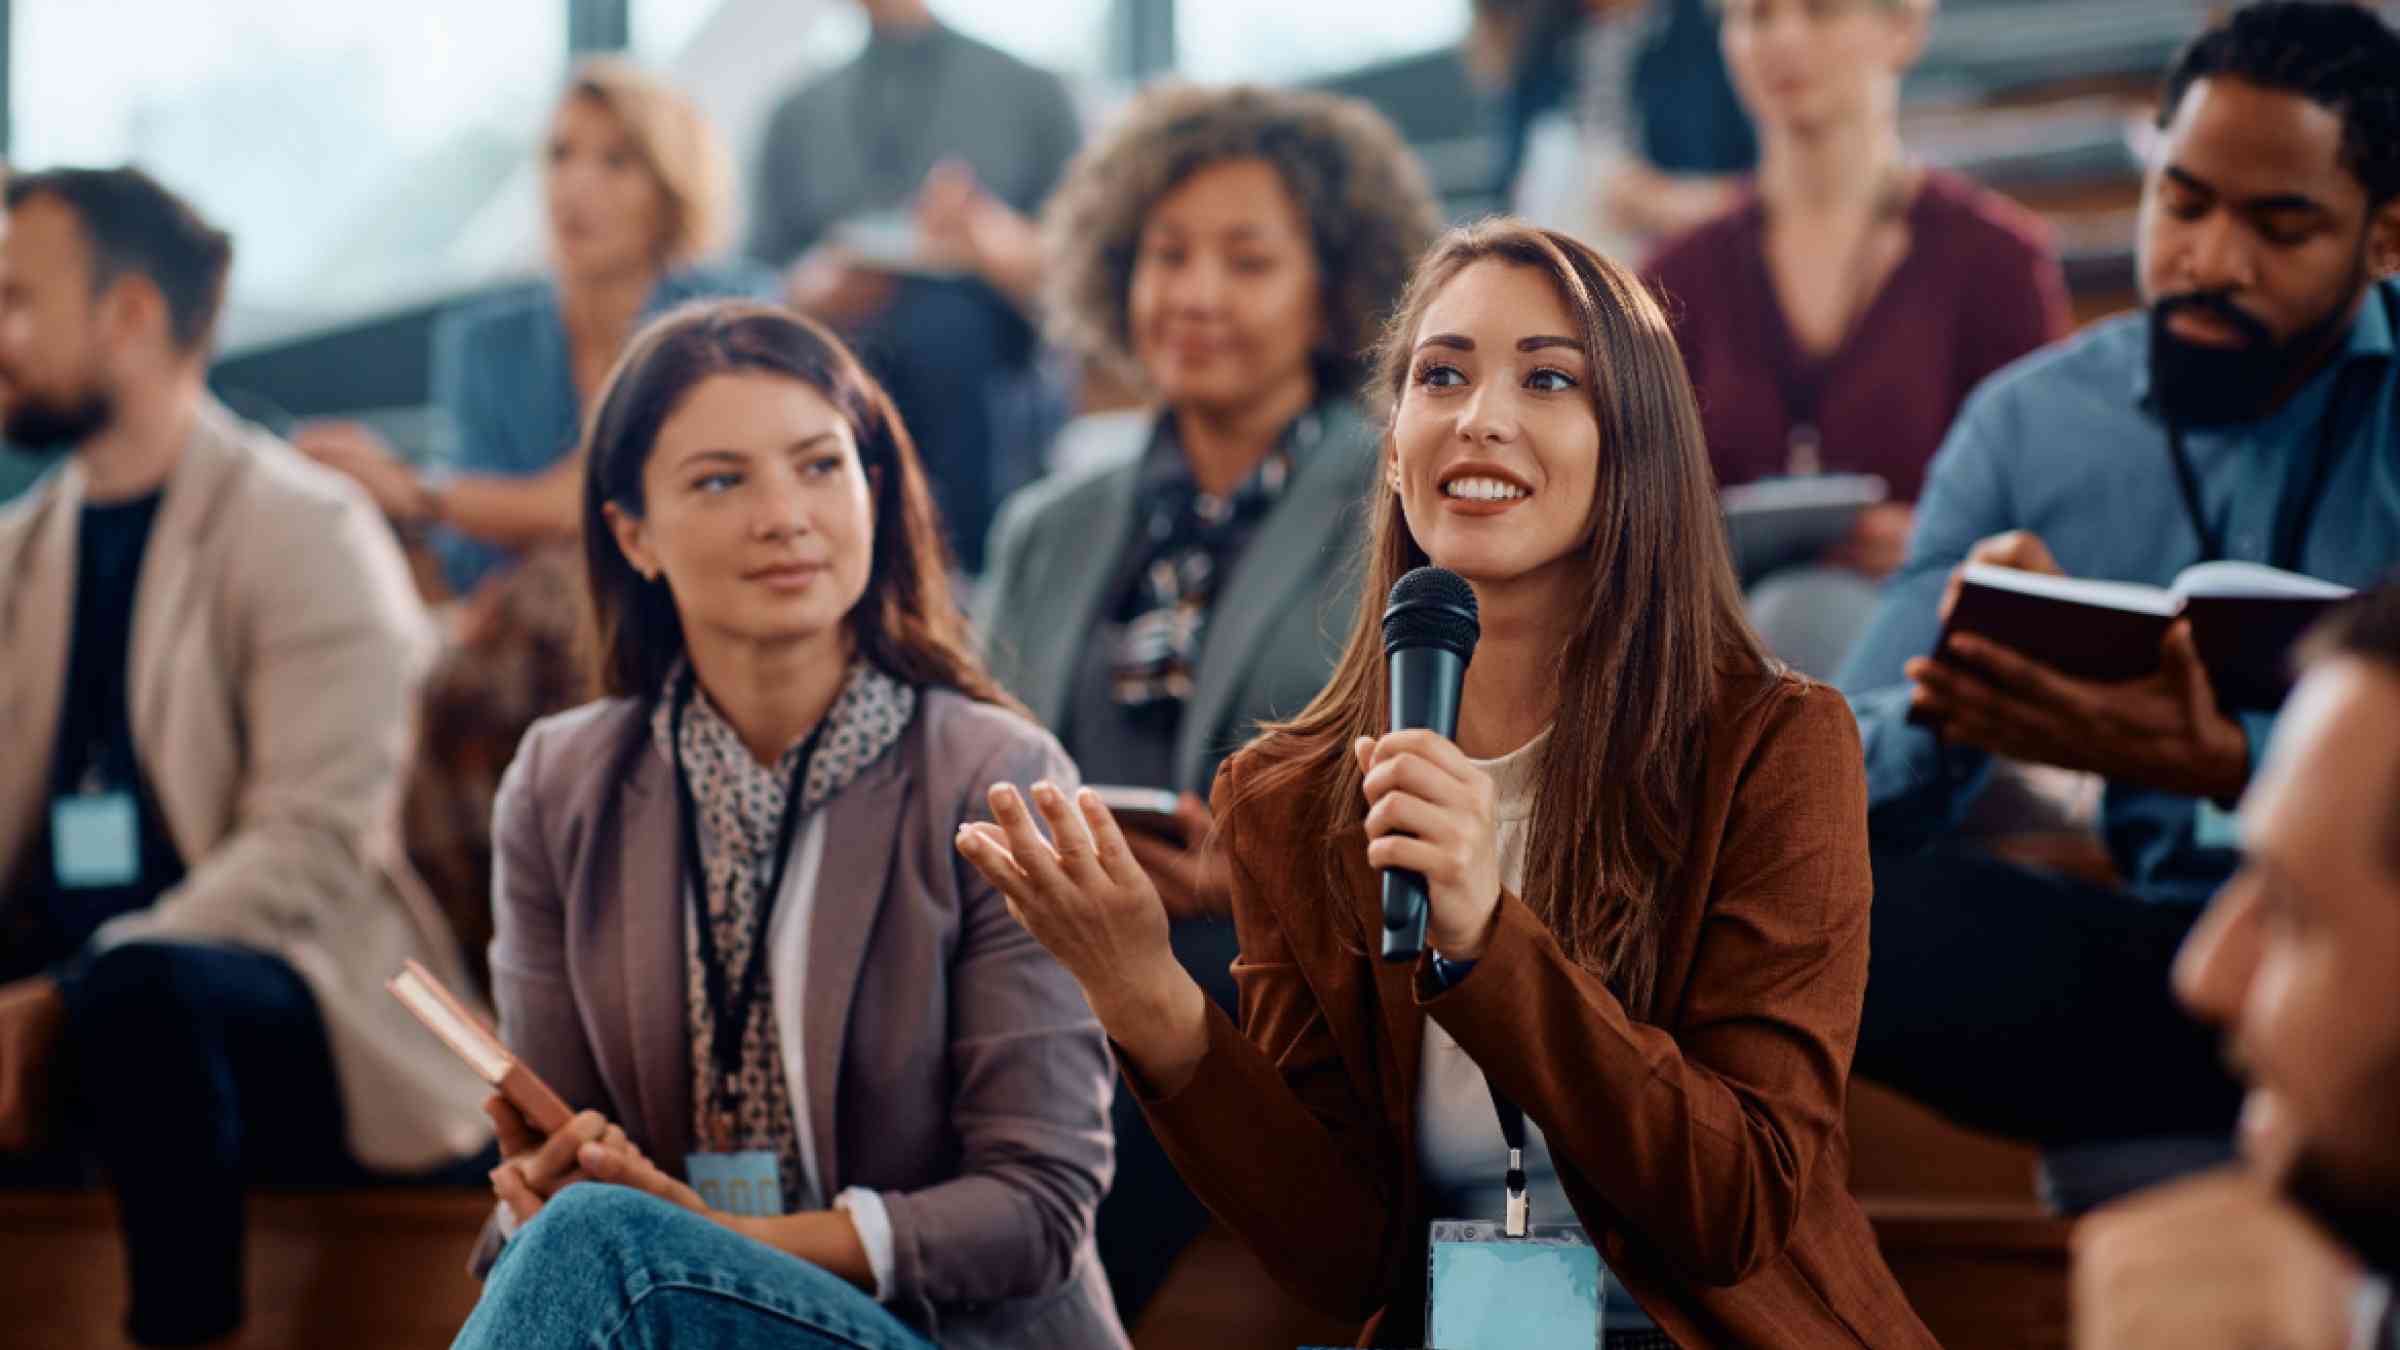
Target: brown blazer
(953,1066)
(1705,1154)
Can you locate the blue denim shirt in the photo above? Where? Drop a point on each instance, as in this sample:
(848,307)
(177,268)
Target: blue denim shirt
(504,387)
(2064,443)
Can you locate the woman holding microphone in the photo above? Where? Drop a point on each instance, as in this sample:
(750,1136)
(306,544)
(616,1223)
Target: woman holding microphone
(1646,856)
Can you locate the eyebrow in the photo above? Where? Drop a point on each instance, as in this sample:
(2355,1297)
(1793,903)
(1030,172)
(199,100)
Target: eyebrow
(1538,342)
(2275,201)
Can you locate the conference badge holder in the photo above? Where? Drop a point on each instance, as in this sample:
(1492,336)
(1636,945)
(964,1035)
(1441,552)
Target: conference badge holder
(1513,1283)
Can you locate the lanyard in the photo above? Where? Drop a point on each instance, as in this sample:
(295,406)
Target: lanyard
(1800,377)
(2294,515)
(1512,1129)
(730,1005)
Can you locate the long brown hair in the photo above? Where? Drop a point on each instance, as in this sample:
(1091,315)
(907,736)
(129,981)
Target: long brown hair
(906,622)
(1659,624)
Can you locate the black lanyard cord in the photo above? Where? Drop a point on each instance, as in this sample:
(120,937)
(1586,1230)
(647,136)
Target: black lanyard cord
(730,1007)
(1512,1129)
(2296,513)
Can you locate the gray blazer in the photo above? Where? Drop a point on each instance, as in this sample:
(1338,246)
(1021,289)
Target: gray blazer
(1274,634)
(953,1066)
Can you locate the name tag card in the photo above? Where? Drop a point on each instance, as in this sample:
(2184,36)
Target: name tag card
(748,1183)
(1488,1291)
(2215,827)
(95,840)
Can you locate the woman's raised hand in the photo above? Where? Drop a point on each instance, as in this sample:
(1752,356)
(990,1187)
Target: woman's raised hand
(1432,812)
(1087,901)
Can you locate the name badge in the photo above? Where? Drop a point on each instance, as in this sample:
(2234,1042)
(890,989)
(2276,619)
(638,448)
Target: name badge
(1489,1291)
(2215,827)
(749,1182)
(95,840)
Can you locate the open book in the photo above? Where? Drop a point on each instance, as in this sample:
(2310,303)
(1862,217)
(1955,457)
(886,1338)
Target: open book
(1776,523)
(472,1041)
(2245,619)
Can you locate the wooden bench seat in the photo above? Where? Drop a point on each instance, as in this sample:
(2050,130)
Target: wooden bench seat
(383,1269)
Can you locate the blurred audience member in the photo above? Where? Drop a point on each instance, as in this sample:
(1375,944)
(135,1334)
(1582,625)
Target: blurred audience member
(1837,318)
(210,649)
(2251,412)
(2296,1249)
(1617,122)
(901,184)
(1235,251)
(637,189)
(730,921)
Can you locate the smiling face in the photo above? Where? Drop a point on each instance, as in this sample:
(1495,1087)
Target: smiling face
(756,510)
(607,210)
(2295,959)
(1225,304)
(1495,448)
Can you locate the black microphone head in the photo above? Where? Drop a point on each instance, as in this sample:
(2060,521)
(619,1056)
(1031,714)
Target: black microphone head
(1431,607)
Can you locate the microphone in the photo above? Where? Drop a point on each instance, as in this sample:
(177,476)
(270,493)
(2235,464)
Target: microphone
(1429,633)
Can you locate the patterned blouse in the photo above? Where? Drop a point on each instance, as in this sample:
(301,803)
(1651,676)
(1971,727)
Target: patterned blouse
(739,803)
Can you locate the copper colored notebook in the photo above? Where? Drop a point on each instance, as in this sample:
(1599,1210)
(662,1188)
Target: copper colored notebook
(472,1041)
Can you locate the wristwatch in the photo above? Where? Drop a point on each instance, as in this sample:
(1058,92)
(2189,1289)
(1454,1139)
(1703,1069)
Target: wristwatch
(433,494)
(1446,972)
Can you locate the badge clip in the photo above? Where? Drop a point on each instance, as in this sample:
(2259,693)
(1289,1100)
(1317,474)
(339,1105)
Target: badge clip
(1520,1205)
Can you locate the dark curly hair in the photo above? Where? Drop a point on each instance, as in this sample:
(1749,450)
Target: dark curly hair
(2335,54)
(1369,209)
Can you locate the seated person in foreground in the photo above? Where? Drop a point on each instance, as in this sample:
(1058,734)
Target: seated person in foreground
(730,924)
(1672,1001)
(1836,318)
(636,191)
(1233,251)
(2251,412)
(2296,1248)
(210,652)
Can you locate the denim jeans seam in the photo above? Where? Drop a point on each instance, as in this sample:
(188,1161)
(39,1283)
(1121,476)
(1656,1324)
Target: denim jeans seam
(738,1291)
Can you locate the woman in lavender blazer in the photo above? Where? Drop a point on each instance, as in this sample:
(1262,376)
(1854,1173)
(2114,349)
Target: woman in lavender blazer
(912,1102)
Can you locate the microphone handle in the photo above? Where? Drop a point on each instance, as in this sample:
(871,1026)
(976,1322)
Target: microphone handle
(1425,684)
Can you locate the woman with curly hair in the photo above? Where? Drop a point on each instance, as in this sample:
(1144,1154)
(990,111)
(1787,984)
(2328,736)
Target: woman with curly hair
(1235,251)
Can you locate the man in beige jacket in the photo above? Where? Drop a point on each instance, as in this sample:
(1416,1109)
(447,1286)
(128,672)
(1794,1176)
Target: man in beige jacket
(210,653)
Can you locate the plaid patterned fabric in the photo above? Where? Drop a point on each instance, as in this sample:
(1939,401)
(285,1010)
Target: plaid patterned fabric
(1189,540)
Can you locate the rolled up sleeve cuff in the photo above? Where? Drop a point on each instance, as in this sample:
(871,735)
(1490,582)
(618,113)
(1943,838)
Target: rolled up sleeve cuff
(874,1225)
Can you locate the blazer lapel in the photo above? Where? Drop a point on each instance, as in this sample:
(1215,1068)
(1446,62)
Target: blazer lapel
(1075,586)
(1287,557)
(1403,1036)
(170,572)
(863,824)
(37,604)
(650,894)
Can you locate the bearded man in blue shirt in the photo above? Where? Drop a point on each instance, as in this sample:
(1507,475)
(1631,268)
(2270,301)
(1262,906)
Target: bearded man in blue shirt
(2250,411)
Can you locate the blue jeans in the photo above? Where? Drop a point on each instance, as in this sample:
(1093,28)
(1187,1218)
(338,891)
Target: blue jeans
(604,1266)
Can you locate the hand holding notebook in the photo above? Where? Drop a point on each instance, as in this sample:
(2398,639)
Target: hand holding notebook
(469,1039)
(2049,704)
(2244,620)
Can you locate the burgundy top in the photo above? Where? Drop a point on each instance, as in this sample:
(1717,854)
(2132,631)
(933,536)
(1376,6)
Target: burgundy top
(1978,288)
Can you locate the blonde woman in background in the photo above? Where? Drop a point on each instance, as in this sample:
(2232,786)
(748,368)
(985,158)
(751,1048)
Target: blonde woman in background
(638,189)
